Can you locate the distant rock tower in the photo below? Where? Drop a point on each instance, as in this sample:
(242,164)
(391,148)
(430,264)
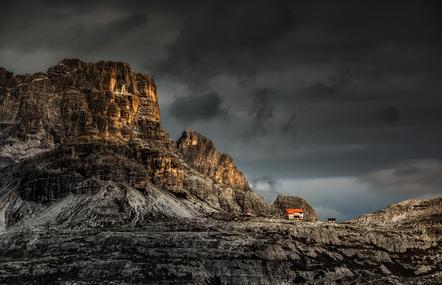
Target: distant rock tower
(288,202)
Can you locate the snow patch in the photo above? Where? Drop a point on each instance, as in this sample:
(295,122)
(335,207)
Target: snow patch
(18,150)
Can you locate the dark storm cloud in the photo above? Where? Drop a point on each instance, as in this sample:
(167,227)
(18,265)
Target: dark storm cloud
(261,111)
(290,124)
(317,91)
(389,114)
(107,33)
(343,85)
(202,107)
(225,37)
(70,34)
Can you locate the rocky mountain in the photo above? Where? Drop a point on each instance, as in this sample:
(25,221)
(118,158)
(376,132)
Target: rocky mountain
(93,191)
(421,217)
(200,154)
(84,133)
(283,202)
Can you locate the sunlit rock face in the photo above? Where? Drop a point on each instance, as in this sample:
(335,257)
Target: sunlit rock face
(200,153)
(75,100)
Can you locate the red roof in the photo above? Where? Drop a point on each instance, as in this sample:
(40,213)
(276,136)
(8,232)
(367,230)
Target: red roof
(291,211)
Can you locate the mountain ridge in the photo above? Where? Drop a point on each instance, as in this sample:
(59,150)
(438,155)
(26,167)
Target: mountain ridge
(93,191)
(422,217)
(100,122)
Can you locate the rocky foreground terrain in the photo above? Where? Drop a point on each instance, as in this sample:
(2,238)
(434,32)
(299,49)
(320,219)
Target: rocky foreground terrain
(205,251)
(93,191)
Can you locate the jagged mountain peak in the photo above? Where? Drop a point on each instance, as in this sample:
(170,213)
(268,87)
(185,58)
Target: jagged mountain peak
(200,153)
(112,71)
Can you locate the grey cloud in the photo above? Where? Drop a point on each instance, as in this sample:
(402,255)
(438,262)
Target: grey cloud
(266,179)
(343,85)
(197,107)
(417,178)
(261,111)
(112,31)
(266,186)
(289,126)
(316,92)
(389,114)
(219,37)
(407,170)
(75,32)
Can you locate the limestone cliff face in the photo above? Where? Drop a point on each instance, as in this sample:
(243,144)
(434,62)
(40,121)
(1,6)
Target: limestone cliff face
(82,128)
(75,100)
(200,153)
(283,202)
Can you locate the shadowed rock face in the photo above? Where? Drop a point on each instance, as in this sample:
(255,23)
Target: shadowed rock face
(283,202)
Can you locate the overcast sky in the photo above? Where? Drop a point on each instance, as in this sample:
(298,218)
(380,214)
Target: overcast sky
(339,102)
